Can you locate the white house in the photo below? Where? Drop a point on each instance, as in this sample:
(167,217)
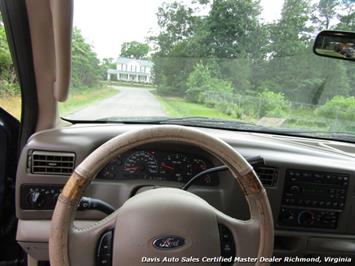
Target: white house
(130,69)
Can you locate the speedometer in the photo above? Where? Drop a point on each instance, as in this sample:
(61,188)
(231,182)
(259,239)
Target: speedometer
(142,163)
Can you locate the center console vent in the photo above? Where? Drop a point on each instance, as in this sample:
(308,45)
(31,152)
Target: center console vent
(51,163)
(266,174)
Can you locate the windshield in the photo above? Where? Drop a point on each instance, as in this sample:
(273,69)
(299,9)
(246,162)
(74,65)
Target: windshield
(216,62)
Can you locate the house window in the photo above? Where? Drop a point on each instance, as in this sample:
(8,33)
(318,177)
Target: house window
(123,76)
(143,78)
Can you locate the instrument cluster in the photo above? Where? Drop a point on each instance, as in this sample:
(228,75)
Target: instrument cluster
(152,164)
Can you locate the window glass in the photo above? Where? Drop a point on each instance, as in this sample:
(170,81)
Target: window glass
(10,97)
(242,62)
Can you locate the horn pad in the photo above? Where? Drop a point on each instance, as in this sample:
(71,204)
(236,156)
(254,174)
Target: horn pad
(165,225)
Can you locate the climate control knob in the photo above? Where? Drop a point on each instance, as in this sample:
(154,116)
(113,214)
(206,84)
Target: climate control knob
(36,199)
(305,218)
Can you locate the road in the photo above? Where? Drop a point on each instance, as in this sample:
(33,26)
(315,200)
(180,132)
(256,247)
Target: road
(128,102)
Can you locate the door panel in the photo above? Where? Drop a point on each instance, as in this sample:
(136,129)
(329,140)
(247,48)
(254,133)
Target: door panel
(9,132)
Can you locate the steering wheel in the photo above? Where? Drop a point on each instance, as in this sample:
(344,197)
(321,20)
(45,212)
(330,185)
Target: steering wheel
(163,222)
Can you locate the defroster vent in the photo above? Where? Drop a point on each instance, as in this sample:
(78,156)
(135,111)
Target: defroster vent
(51,163)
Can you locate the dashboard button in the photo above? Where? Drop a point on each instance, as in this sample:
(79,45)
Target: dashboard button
(227,243)
(105,260)
(104,250)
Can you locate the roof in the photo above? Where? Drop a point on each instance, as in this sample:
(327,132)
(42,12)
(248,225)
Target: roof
(126,60)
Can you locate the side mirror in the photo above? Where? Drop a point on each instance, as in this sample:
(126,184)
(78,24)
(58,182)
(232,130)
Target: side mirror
(335,44)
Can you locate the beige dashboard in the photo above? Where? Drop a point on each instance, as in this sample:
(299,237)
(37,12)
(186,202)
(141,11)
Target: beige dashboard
(310,183)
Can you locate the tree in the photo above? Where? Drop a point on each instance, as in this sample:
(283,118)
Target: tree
(5,58)
(252,56)
(85,64)
(234,29)
(291,34)
(325,12)
(178,46)
(292,69)
(230,30)
(8,79)
(106,64)
(134,49)
(176,23)
(347,17)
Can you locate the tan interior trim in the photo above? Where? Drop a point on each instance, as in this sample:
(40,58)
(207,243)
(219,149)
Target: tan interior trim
(40,23)
(50,23)
(31,261)
(62,16)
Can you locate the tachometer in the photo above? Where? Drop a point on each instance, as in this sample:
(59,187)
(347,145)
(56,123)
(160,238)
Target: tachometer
(175,167)
(196,166)
(141,163)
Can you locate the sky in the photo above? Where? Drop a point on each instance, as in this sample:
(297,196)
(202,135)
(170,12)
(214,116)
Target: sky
(106,24)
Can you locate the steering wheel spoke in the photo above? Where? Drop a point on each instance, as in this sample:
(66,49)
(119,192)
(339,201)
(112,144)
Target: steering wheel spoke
(246,236)
(92,242)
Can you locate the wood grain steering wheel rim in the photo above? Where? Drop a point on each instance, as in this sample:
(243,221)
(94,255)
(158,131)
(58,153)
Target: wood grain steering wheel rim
(254,237)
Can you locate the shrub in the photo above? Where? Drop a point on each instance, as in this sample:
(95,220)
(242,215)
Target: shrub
(273,104)
(201,80)
(338,107)
(9,89)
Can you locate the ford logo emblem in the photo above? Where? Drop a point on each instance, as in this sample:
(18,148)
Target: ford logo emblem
(168,242)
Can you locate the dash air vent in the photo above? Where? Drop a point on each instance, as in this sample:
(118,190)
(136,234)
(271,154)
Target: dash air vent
(267,175)
(51,163)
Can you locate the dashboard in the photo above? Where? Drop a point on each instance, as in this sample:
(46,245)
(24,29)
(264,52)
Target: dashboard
(158,165)
(310,183)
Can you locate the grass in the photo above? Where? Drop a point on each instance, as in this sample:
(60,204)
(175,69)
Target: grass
(77,100)
(179,107)
(296,118)
(11,104)
(85,97)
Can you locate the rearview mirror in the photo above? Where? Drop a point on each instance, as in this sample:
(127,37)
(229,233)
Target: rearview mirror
(335,44)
